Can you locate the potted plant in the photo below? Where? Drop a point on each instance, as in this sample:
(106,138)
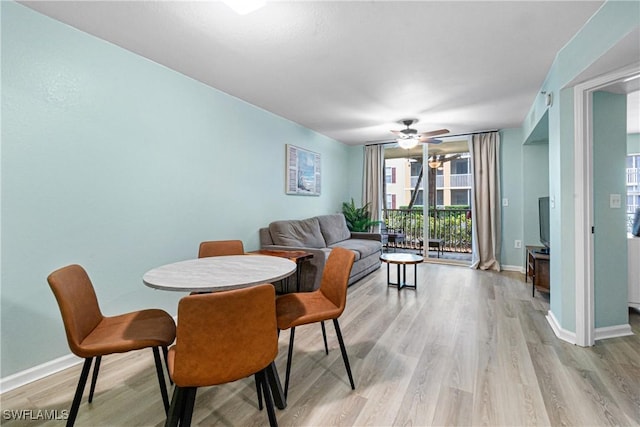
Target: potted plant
(358,219)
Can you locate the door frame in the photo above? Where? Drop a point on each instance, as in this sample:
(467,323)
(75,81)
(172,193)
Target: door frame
(583,202)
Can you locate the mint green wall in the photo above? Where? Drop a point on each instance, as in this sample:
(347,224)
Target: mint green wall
(511,189)
(609,177)
(535,170)
(356,172)
(613,21)
(633,143)
(119,164)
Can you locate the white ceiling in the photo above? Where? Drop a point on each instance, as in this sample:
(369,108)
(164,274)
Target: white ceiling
(351,69)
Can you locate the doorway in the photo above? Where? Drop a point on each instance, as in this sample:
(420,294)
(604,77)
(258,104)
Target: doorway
(624,81)
(427,200)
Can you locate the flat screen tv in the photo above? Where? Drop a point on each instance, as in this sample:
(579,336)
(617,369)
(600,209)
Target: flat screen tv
(543,219)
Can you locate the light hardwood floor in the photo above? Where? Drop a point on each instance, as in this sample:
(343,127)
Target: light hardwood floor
(467,348)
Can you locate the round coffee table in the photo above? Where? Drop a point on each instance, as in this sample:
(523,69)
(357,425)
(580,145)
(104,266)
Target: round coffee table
(402,260)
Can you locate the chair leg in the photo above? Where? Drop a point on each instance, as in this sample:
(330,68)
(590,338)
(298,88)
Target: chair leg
(289,355)
(73,413)
(176,408)
(258,389)
(262,380)
(324,337)
(344,353)
(94,377)
(165,352)
(163,385)
(190,400)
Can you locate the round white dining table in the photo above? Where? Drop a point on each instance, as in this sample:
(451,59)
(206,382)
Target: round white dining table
(220,273)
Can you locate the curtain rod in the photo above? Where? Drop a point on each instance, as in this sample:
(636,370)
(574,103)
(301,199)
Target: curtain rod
(438,137)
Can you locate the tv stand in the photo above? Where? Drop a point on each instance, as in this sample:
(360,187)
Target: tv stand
(543,251)
(537,267)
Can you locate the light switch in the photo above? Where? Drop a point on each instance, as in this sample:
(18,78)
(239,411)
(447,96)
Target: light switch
(505,202)
(615,201)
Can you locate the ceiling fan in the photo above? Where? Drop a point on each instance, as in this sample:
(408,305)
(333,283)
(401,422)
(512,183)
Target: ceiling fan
(409,138)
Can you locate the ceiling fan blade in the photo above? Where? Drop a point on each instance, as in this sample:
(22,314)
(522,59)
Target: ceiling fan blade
(434,132)
(399,133)
(430,141)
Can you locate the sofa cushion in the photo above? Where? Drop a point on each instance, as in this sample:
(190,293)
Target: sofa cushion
(362,247)
(298,233)
(334,228)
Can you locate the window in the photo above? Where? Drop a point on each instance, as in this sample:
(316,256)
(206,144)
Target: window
(460,166)
(391,201)
(390,175)
(416,167)
(460,197)
(439,197)
(419,197)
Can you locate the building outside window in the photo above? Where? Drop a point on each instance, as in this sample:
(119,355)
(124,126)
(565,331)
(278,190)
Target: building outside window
(453,182)
(391,201)
(460,197)
(390,175)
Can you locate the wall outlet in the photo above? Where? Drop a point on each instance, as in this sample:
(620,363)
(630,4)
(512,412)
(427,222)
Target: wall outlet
(517,244)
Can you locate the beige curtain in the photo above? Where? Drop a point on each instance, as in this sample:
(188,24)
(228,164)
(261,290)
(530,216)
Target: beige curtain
(372,191)
(485,208)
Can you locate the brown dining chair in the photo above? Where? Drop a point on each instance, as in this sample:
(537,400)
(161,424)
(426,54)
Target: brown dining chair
(91,335)
(220,248)
(325,303)
(222,337)
(213,248)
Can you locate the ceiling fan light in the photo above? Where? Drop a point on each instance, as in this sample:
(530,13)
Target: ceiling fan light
(407,143)
(434,164)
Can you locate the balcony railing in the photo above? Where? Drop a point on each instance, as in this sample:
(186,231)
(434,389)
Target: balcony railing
(633,176)
(451,225)
(455,181)
(460,180)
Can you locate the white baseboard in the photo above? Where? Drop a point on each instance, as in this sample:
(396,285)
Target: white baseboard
(563,334)
(37,372)
(612,332)
(43,370)
(599,333)
(518,268)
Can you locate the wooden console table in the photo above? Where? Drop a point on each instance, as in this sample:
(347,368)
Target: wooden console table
(296,256)
(537,265)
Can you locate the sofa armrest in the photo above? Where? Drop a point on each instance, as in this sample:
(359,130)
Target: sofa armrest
(366,236)
(311,269)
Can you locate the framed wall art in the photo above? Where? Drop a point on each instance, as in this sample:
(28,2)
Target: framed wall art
(303,172)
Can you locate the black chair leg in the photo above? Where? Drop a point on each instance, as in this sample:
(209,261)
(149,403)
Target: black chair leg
(262,381)
(190,400)
(94,377)
(82,382)
(289,355)
(176,408)
(165,353)
(344,353)
(163,385)
(258,389)
(324,337)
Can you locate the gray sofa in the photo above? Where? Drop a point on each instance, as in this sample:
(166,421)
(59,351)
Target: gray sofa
(318,235)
